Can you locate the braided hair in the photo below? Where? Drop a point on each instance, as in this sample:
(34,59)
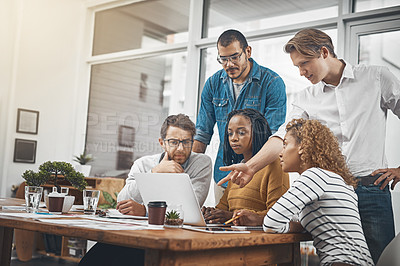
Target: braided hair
(260,134)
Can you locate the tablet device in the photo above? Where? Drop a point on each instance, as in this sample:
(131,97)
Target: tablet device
(216,230)
(248,228)
(174,189)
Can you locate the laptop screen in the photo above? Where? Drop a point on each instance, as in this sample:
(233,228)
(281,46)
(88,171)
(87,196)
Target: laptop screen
(173,188)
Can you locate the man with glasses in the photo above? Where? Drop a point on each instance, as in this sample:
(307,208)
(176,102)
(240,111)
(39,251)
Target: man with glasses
(242,83)
(176,140)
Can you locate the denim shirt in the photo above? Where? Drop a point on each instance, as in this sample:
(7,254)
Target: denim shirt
(264,91)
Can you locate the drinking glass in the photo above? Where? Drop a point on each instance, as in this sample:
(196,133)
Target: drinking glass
(90,200)
(33,195)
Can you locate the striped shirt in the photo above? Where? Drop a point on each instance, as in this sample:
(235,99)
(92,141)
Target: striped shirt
(327,209)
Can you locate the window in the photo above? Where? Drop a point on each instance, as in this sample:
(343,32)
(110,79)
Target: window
(364,5)
(259,14)
(381,49)
(144,24)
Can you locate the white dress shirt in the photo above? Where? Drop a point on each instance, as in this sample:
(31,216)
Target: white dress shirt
(355,110)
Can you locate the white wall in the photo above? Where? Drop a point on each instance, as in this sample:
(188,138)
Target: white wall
(40,68)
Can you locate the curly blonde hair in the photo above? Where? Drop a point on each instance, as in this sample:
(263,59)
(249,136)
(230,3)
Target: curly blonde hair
(320,148)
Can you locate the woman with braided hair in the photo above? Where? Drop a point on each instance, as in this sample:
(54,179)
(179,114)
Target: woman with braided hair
(246,132)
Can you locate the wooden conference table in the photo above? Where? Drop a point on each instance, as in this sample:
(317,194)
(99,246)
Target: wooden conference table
(170,246)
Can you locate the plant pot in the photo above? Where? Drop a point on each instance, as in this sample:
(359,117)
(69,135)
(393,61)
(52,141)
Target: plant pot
(84,169)
(173,223)
(174,216)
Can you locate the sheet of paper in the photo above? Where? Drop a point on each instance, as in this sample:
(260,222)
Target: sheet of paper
(127,221)
(14,208)
(32,215)
(113,213)
(94,224)
(77,208)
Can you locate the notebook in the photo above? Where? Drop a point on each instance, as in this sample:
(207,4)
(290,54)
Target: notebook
(174,189)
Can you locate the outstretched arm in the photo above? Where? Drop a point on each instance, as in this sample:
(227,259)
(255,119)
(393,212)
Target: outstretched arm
(242,173)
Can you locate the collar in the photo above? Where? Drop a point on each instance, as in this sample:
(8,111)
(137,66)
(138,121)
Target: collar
(184,165)
(348,73)
(255,73)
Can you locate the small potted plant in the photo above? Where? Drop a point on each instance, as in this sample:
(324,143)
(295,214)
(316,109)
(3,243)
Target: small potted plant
(52,171)
(83,159)
(174,218)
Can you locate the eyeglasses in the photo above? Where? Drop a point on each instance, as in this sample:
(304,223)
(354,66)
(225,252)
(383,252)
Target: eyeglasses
(173,143)
(233,58)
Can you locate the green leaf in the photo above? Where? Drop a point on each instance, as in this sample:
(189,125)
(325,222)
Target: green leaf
(51,170)
(83,158)
(108,198)
(172,215)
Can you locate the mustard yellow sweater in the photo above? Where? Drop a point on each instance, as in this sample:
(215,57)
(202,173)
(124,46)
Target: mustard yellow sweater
(265,188)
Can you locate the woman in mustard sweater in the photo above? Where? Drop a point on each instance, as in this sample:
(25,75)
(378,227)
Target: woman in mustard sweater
(246,132)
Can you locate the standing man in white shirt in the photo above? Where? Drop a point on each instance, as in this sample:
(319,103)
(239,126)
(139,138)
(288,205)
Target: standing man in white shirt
(353,102)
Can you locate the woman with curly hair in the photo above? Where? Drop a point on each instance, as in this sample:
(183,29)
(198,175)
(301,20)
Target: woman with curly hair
(246,132)
(322,199)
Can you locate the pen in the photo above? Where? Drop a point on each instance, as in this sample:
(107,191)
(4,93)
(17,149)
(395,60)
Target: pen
(233,219)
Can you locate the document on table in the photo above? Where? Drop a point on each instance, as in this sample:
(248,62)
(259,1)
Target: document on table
(32,215)
(95,224)
(14,208)
(125,221)
(89,221)
(113,213)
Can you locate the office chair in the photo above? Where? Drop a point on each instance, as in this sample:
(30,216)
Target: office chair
(391,254)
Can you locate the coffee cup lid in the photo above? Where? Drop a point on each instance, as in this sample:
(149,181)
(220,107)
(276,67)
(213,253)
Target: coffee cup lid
(157,204)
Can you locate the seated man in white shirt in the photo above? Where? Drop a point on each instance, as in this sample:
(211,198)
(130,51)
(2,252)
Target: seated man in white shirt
(176,140)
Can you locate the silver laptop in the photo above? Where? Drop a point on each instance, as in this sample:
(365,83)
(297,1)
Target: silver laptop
(174,189)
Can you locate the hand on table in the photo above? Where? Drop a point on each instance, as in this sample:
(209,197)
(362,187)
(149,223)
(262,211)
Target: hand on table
(247,217)
(388,175)
(240,174)
(216,216)
(131,207)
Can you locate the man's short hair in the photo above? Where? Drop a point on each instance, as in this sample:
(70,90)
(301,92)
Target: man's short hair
(229,36)
(181,121)
(308,42)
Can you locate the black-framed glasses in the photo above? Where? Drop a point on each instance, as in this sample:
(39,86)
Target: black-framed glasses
(173,143)
(233,58)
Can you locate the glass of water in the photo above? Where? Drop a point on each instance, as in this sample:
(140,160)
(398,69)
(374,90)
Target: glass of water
(90,200)
(33,195)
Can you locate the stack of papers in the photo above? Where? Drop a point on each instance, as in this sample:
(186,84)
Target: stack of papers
(14,208)
(87,221)
(113,213)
